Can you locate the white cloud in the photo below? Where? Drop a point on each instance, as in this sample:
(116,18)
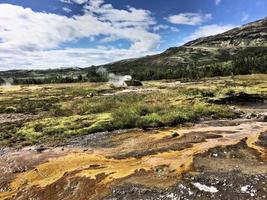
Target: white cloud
(189,18)
(165,27)
(245,17)
(67,10)
(208,30)
(31,36)
(217,2)
(66,1)
(71,57)
(74,1)
(120,18)
(79,1)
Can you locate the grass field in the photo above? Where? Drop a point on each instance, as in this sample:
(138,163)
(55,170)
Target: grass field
(49,113)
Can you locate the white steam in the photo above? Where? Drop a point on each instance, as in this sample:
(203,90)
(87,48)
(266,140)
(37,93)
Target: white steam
(7,82)
(118,81)
(113,79)
(102,72)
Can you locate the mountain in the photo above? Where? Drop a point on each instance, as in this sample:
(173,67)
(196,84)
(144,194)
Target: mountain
(252,34)
(241,50)
(246,40)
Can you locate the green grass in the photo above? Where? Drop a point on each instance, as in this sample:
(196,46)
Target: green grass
(67,111)
(133,116)
(50,129)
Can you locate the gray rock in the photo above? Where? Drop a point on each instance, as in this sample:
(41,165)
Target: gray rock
(174,134)
(40,149)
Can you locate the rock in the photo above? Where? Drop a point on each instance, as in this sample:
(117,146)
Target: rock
(253,115)
(40,149)
(174,134)
(263,140)
(134,83)
(91,95)
(11,109)
(240,97)
(95,166)
(262,117)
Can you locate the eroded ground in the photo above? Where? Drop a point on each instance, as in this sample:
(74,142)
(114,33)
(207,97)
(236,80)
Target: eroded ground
(146,165)
(208,159)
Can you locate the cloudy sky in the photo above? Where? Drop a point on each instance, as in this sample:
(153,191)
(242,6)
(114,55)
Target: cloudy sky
(39,34)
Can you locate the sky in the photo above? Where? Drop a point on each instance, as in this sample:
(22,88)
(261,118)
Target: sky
(42,34)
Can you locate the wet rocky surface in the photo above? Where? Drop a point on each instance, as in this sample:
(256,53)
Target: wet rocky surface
(231,186)
(94,140)
(210,177)
(263,140)
(218,159)
(245,98)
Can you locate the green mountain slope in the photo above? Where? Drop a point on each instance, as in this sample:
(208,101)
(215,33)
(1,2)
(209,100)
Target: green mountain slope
(248,41)
(241,50)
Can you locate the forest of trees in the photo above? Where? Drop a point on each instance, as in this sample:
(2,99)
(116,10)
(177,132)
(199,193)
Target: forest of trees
(49,79)
(241,65)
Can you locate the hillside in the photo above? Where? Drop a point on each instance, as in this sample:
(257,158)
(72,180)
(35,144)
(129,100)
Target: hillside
(241,50)
(249,40)
(252,34)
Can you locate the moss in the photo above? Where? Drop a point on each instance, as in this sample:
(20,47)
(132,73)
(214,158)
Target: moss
(51,128)
(65,110)
(10,109)
(150,120)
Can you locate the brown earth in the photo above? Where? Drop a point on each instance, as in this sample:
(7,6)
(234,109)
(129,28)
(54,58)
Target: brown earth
(15,117)
(145,165)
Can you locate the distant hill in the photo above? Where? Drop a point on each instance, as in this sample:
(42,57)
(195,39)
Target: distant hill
(252,34)
(249,40)
(66,75)
(241,50)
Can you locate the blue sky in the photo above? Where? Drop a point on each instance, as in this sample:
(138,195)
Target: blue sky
(39,34)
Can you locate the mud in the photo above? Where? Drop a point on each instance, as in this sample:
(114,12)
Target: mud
(135,90)
(231,172)
(96,140)
(210,160)
(262,140)
(241,98)
(11,118)
(231,186)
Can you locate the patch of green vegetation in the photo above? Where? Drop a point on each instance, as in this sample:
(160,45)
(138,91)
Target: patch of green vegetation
(98,104)
(134,116)
(187,63)
(8,136)
(66,110)
(51,129)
